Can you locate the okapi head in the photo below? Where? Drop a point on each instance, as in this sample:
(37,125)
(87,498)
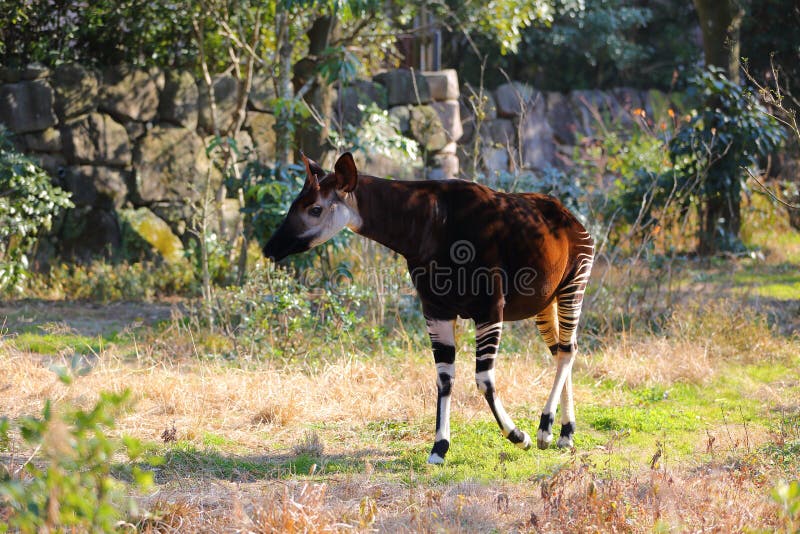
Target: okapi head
(325,205)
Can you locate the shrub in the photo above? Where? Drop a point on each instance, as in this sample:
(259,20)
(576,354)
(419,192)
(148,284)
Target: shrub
(727,133)
(105,282)
(28,204)
(69,483)
(278,314)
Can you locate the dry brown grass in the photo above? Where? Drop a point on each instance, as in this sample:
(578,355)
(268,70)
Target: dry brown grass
(296,510)
(696,342)
(219,399)
(172,387)
(726,497)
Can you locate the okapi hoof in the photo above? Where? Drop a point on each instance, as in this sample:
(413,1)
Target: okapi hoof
(565,440)
(543,439)
(544,436)
(435,459)
(526,442)
(440,448)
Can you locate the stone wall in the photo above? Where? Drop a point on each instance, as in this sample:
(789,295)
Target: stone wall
(523,128)
(123,139)
(425,105)
(120,138)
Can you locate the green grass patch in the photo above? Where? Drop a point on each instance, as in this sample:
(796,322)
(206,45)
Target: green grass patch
(46,343)
(778,282)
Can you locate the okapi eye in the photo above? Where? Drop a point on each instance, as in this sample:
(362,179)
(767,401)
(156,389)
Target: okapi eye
(316,211)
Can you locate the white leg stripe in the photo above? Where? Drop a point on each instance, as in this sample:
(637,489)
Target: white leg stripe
(441,332)
(505,420)
(444,431)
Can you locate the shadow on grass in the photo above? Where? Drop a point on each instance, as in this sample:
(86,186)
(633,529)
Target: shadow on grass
(189,462)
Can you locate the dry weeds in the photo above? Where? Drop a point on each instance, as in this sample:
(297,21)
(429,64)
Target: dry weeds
(182,397)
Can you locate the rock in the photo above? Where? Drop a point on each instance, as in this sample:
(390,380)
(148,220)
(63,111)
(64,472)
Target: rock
(628,98)
(262,133)
(536,140)
(103,187)
(136,129)
(231,218)
(34,71)
(450,116)
(9,74)
(449,148)
(171,165)
(54,164)
(96,139)
(561,118)
(443,84)
(403,88)
(402,116)
(76,89)
(445,166)
(377,164)
(467,122)
(48,140)
(494,159)
(360,92)
(243,147)
(179,102)
(594,105)
(88,232)
(131,94)
(427,129)
(27,106)
(499,132)
(176,214)
(262,93)
(514,98)
(226,91)
(155,231)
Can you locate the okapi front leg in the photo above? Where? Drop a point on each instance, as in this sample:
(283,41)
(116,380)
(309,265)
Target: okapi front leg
(444,354)
(487,341)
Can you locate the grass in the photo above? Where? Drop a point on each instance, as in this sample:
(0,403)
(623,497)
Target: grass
(53,343)
(685,426)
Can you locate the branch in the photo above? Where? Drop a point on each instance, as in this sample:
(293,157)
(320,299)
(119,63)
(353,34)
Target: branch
(770,193)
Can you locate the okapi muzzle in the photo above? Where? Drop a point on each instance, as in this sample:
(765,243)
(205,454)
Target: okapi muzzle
(286,241)
(472,253)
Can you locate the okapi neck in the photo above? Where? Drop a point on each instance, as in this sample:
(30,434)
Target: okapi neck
(399,215)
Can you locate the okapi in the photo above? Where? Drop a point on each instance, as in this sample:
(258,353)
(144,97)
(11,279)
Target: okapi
(473,253)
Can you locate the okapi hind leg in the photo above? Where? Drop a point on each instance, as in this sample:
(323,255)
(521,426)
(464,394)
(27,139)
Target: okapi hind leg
(570,301)
(442,336)
(487,341)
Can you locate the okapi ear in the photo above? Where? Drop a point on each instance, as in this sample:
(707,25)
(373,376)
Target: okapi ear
(312,183)
(346,173)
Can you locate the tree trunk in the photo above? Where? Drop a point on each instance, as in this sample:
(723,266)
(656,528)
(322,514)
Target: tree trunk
(721,222)
(720,21)
(312,138)
(284,126)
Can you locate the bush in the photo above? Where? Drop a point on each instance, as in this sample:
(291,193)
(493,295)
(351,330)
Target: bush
(105,282)
(28,204)
(278,314)
(727,133)
(70,485)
